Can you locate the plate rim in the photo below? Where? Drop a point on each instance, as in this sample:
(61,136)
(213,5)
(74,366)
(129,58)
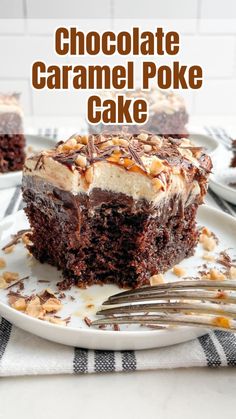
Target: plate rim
(100,332)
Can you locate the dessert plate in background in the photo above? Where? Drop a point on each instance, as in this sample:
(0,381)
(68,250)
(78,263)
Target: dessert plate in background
(34,143)
(223,177)
(209,143)
(80,303)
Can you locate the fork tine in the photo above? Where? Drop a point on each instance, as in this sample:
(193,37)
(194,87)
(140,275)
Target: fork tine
(147,293)
(180,296)
(220,323)
(171,307)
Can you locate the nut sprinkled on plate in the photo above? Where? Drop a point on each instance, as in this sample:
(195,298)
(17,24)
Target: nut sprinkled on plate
(178,270)
(51,305)
(157,279)
(208,243)
(34,308)
(214,274)
(19,304)
(2,263)
(3,283)
(10,276)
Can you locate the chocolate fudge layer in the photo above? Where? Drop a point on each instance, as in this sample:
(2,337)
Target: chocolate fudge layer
(12,141)
(110,208)
(167,114)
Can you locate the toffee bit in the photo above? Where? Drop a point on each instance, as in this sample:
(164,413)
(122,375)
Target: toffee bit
(87,321)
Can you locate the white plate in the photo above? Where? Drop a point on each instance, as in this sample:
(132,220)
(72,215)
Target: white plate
(77,333)
(223,174)
(205,141)
(34,142)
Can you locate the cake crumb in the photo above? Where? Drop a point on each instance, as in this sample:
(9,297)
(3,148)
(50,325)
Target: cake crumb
(2,263)
(178,270)
(232,272)
(9,249)
(157,279)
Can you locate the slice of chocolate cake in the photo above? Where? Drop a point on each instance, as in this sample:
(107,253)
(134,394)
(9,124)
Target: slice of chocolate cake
(12,141)
(167,114)
(110,208)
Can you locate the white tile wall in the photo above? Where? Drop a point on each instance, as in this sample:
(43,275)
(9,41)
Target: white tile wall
(208,29)
(68,9)
(217,97)
(155,9)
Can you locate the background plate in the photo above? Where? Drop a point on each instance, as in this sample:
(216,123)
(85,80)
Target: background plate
(86,302)
(35,143)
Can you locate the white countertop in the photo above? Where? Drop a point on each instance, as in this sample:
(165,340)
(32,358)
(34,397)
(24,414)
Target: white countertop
(183,393)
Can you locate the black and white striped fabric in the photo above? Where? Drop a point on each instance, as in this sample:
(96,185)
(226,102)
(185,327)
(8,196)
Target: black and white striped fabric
(24,354)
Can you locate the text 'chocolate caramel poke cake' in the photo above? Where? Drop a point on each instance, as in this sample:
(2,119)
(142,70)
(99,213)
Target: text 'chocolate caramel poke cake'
(113,208)
(12,140)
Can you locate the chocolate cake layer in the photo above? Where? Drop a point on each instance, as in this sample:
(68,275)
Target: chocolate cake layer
(12,140)
(110,209)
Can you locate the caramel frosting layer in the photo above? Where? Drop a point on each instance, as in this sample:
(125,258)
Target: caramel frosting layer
(143,166)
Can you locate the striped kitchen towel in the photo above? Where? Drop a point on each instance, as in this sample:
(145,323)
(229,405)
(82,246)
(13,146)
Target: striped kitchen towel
(22,353)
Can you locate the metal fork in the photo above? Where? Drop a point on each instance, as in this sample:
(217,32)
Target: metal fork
(201,303)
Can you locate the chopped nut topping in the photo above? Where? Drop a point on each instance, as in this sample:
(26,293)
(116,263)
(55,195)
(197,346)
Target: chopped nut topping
(9,249)
(179,271)
(147,148)
(143,137)
(3,283)
(89,175)
(19,304)
(157,279)
(81,161)
(232,272)
(156,140)
(52,304)
(157,184)
(2,263)
(156,167)
(10,276)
